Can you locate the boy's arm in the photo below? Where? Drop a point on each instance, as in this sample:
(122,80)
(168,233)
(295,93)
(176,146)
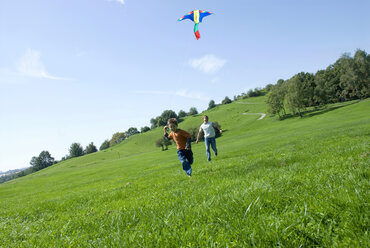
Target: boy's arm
(165,132)
(188,144)
(188,141)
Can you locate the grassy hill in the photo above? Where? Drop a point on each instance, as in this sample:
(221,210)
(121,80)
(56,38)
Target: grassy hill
(291,183)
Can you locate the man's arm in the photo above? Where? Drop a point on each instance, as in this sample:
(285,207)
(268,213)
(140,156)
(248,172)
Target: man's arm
(216,127)
(200,131)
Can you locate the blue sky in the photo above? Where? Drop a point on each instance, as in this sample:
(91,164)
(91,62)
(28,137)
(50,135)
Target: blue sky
(81,70)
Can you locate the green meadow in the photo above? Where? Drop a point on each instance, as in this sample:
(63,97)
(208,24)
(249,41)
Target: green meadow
(297,182)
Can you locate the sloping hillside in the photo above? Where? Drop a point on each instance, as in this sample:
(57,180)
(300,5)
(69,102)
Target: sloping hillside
(300,181)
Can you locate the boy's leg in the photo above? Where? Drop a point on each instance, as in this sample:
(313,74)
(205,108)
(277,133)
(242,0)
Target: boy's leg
(189,156)
(184,161)
(213,144)
(207,142)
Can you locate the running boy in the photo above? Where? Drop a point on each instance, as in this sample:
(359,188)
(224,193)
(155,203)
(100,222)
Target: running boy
(209,136)
(183,142)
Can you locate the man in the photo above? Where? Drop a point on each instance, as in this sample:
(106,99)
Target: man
(208,129)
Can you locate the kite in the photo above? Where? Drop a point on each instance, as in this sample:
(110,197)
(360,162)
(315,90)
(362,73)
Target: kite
(196,16)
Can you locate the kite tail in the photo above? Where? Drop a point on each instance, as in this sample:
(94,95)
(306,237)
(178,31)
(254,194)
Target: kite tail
(196,31)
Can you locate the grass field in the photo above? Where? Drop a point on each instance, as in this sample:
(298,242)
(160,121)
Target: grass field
(299,182)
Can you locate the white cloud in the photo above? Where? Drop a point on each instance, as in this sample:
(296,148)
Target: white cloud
(80,54)
(181,93)
(118,1)
(208,64)
(30,65)
(193,95)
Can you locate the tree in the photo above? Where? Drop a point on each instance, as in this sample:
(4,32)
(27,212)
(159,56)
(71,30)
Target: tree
(361,71)
(75,150)
(91,148)
(227,100)
(344,66)
(269,87)
(132,131)
(117,138)
(144,129)
(309,86)
(46,159)
(193,111)
(275,99)
(153,123)
(104,145)
(166,143)
(159,143)
(327,86)
(300,92)
(347,79)
(250,93)
(35,163)
(211,105)
(182,114)
(163,143)
(258,92)
(42,161)
(295,95)
(167,114)
(163,118)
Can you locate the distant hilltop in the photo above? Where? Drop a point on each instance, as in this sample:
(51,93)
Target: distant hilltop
(9,172)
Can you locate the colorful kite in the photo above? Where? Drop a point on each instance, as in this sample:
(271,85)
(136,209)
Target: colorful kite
(196,16)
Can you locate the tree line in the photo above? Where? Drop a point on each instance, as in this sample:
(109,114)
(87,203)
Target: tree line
(347,79)
(167,114)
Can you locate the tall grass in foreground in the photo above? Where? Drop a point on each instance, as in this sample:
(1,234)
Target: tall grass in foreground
(292,183)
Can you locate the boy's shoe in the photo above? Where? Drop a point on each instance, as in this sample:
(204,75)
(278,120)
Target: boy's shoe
(188,173)
(216,154)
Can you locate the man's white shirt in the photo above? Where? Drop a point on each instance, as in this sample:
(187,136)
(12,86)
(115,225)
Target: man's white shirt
(208,129)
